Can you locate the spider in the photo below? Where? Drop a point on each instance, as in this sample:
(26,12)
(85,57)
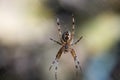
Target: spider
(66,42)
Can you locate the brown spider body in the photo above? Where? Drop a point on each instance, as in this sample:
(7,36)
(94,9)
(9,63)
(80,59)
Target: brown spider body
(66,42)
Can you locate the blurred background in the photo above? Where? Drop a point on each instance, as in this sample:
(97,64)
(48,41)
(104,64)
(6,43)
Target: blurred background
(26,51)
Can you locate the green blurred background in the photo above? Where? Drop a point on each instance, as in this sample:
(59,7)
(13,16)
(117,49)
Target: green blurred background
(26,51)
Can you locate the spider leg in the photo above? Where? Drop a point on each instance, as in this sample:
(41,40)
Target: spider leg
(55,62)
(55,41)
(73,26)
(76,60)
(55,65)
(59,29)
(77,41)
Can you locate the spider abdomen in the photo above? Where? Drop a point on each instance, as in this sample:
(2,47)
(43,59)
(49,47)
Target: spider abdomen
(66,36)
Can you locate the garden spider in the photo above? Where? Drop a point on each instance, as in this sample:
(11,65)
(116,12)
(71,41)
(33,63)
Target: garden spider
(66,43)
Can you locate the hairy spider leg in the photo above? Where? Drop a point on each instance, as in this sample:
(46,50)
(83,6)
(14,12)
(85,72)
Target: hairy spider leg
(76,60)
(77,41)
(55,41)
(55,62)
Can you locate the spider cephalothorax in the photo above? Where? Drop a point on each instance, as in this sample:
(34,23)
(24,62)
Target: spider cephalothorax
(67,44)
